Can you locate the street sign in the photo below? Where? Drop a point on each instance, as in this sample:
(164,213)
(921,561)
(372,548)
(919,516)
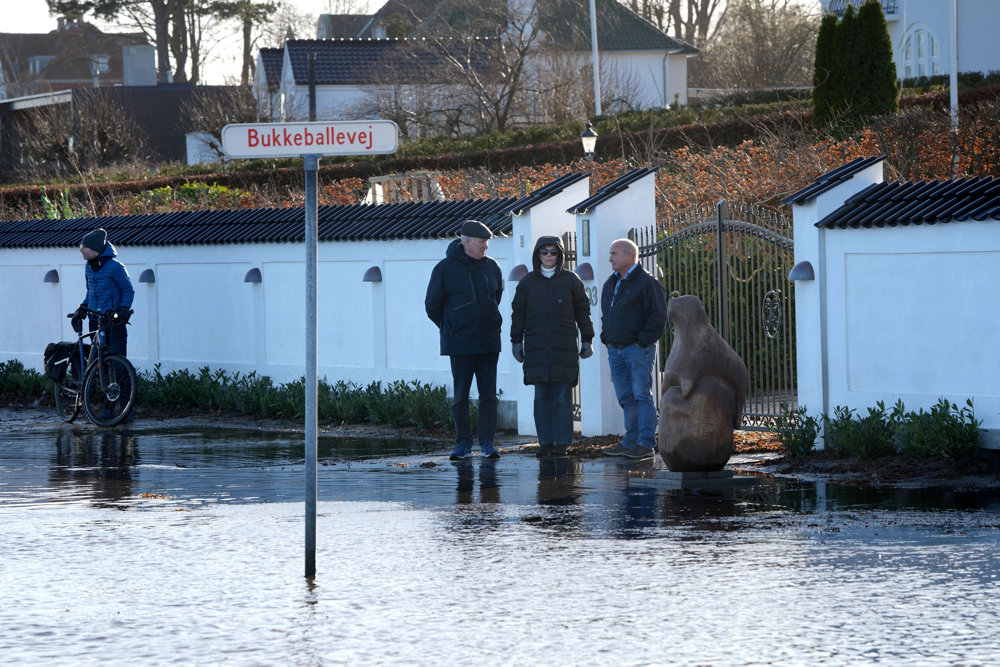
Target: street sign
(333,137)
(310,141)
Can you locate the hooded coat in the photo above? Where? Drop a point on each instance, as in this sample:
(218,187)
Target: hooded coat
(547,312)
(108,284)
(463,300)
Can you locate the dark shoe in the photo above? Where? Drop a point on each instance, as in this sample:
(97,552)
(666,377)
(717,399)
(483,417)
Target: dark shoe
(544,451)
(617,450)
(489,451)
(105,415)
(461,452)
(559,450)
(638,452)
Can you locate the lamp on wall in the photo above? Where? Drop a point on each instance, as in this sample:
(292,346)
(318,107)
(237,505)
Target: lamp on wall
(589,139)
(252,276)
(52,276)
(147,276)
(372,275)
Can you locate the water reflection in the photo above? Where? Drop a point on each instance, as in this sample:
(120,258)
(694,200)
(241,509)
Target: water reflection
(559,481)
(489,484)
(514,561)
(101,460)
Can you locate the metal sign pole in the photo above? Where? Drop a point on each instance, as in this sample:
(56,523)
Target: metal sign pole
(311,238)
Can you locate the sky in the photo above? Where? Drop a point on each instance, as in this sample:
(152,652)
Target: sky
(32,16)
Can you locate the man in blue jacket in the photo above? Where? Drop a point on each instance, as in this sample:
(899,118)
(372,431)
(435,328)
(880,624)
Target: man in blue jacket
(108,287)
(463,299)
(633,317)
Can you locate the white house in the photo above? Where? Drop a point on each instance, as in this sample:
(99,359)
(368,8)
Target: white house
(895,294)
(924,33)
(393,49)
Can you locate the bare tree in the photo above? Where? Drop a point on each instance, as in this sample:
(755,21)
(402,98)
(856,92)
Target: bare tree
(92,132)
(763,43)
(209,110)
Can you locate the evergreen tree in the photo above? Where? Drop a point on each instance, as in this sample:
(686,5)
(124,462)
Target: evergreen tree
(879,73)
(825,68)
(845,83)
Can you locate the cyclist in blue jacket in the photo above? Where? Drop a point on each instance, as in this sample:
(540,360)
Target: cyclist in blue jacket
(108,287)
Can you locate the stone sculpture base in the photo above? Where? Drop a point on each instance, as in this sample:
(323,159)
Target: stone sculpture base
(713,480)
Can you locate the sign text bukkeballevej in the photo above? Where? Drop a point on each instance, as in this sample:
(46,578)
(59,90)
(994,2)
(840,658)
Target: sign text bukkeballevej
(255,140)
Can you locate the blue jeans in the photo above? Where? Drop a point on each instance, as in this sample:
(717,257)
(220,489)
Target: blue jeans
(632,374)
(554,413)
(484,368)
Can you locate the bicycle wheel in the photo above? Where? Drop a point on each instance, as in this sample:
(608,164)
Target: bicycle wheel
(109,390)
(68,399)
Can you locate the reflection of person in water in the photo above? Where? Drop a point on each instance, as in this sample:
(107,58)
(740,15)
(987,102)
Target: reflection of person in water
(489,486)
(104,461)
(558,481)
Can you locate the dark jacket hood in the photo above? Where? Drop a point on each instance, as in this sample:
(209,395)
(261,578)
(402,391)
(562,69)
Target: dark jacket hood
(536,260)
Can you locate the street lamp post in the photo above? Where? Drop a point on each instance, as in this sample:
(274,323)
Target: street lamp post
(589,139)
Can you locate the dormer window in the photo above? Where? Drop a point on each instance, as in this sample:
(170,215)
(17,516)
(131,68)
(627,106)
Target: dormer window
(100,64)
(38,63)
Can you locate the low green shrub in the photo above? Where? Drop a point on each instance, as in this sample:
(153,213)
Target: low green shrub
(866,437)
(796,431)
(18,381)
(945,431)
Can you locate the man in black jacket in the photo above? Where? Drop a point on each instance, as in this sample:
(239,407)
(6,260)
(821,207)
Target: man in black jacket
(463,299)
(633,316)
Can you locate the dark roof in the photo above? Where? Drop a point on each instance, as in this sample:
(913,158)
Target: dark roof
(272,60)
(611,189)
(400,18)
(363,61)
(358,222)
(920,202)
(70,49)
(567,22)
(545,192)
(831,179)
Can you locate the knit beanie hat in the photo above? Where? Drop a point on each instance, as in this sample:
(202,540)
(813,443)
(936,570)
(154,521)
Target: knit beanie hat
(95,240)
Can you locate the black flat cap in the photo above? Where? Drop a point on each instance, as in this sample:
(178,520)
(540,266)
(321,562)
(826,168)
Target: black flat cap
(476,229)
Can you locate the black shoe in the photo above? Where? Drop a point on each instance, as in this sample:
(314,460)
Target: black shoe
(638,452)
(489,450)
(544,451)
(617,450)
(461,452)
(559,450)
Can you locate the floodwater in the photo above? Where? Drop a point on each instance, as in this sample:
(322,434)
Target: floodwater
(187,548)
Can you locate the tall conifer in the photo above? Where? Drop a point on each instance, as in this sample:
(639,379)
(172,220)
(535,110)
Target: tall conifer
(824,70)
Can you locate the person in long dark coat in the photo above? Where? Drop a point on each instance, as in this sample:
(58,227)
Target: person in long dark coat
(550,307)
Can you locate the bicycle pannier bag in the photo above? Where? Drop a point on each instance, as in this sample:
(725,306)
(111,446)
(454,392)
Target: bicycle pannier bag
(56,360)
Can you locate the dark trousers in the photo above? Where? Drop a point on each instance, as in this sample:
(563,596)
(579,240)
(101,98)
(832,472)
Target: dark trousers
(554,413)
(484,368)
(117,338)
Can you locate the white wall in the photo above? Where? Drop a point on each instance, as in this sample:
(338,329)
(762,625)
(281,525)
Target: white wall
(907,312)
(200,312)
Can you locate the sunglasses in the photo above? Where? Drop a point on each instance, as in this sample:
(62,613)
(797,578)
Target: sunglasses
(546,251)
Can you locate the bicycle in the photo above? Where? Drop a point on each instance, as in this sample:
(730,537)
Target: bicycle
(100,381)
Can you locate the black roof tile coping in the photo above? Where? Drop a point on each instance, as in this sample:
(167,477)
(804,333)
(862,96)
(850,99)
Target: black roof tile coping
(355,222)
(918,202)
(611,189)
(831,180)
(545,192)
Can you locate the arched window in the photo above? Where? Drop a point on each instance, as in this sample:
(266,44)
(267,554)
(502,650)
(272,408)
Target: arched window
(921,54)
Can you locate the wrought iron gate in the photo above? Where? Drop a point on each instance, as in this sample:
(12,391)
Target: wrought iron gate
(736,259)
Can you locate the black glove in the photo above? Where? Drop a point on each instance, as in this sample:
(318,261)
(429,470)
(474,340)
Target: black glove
(122,315)
(586,350)
(80,313)
(518,350)
(77,325)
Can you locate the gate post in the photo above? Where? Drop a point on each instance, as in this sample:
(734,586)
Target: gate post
(611,214)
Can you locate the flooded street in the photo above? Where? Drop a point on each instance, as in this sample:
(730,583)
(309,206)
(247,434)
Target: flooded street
(187,547)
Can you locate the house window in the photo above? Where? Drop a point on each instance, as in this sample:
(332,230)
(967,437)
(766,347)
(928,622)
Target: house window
(921,54)
(37,63)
